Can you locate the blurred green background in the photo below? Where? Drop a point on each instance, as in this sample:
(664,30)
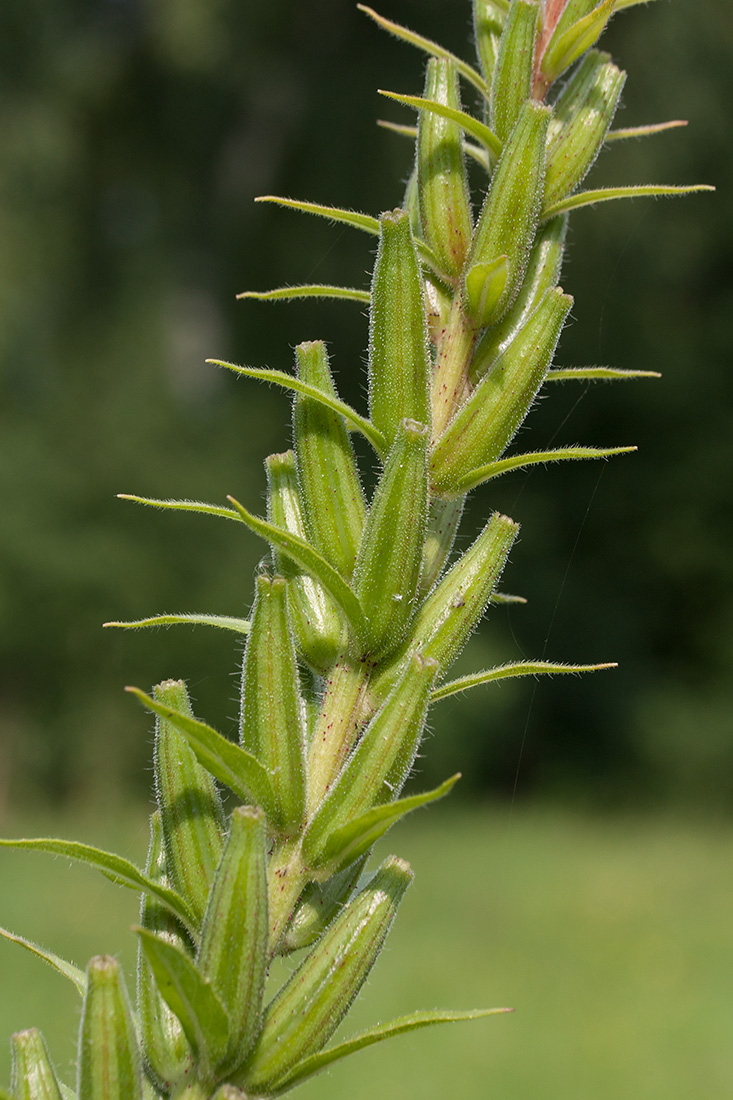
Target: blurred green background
(134,136)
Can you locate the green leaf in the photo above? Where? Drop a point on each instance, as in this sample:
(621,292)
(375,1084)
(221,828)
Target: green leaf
(532,458)
(594,374)
(182,506)
(311,290)
(355,839)
(189,995)
(625,132)
(501,598)
(334,213)
(119,870)
(227,762)
(317,1062)
(73,973)
(605,194)
(477,152)
(621,4)
(468,123)
(518,668)
(225,622)
(311,561)
(429,47)
(292,382)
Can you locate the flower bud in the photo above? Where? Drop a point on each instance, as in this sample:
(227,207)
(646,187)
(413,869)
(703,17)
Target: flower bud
(390,556)
(443,519)
(445,211)
(233,951)
(319,903)
(486,422)
(32,1075)
(271,722)
(583,113)
(308,1009)
(512,81)
(488,23)
(190,808)
(315,619)
(399,362)
(508,221)
(578,28)
(330,489)
(108,1064)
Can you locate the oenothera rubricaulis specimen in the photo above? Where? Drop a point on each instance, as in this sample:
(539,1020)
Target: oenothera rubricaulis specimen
(360,609)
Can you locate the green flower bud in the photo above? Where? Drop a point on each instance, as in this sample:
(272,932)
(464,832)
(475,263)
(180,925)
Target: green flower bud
(445,211)
(318,905)
(399,362)
(233,951)
(443,519)
(390,556)
(486,422)
(512,81)
(543,272)
(583,114)
(308,1009)
(190,808)
(454,607)
(165,1047)
(578,28)
(508,222)
(32,1075)
(108,1065)
(488,23)
(381,761)
(271,723)
(333,502)
(316,621)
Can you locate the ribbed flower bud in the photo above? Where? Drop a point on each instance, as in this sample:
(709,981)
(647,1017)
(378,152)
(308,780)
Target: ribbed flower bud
(108,1064)
(508,221)
(32,1075)
(330,489)
(190,808)
(388,566)
(318,905)
(445,211)
(308,1009)
(512,80)
(488,23)
(487,421)
(271,722)
(399,362)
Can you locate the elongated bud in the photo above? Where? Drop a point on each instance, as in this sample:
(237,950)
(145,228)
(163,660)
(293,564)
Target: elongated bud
(486,422)
(508,221)
(454,607)
(108,1066)
(308,1009)
(543,272)
(190,808)
(165,1047)
(271,711)
(333,502)
(398,338)
(443,519)
(319,903)
(512,82)
(380,763)
(388,566)
(578,28)
(583,113)
(316,621)
(233,951)
(445,211)
(32,1075)
(488,23)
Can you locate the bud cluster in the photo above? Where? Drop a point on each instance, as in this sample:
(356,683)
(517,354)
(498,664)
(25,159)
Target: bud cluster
(359,611)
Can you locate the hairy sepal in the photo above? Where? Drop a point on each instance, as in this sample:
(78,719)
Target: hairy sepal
(580,26)
(32,1074)
(108,1064)
(488,24)
(511,86)
(318,905)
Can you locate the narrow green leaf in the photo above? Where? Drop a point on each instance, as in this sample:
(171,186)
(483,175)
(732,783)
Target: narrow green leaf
(182,506)
(73,973)
(225,622)
(416,1020)
(357,837)
(189,995)
(517,668)
(429,47)
(605,194)
(468,123)
(625,132)
(119,870)
(292,382)
(621,4)
(334,213)
(227,762)
(310,290)
(477,152)
(501,598)
(310,560)
(597,374)
(533,458)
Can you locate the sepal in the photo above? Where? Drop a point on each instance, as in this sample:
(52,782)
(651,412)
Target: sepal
(32,1074)
(108,1064)
(579,27)
(511,86)
(488,24)
(318,905)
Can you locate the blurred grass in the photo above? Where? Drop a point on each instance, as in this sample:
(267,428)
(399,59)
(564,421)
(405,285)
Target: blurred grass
(610,936)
